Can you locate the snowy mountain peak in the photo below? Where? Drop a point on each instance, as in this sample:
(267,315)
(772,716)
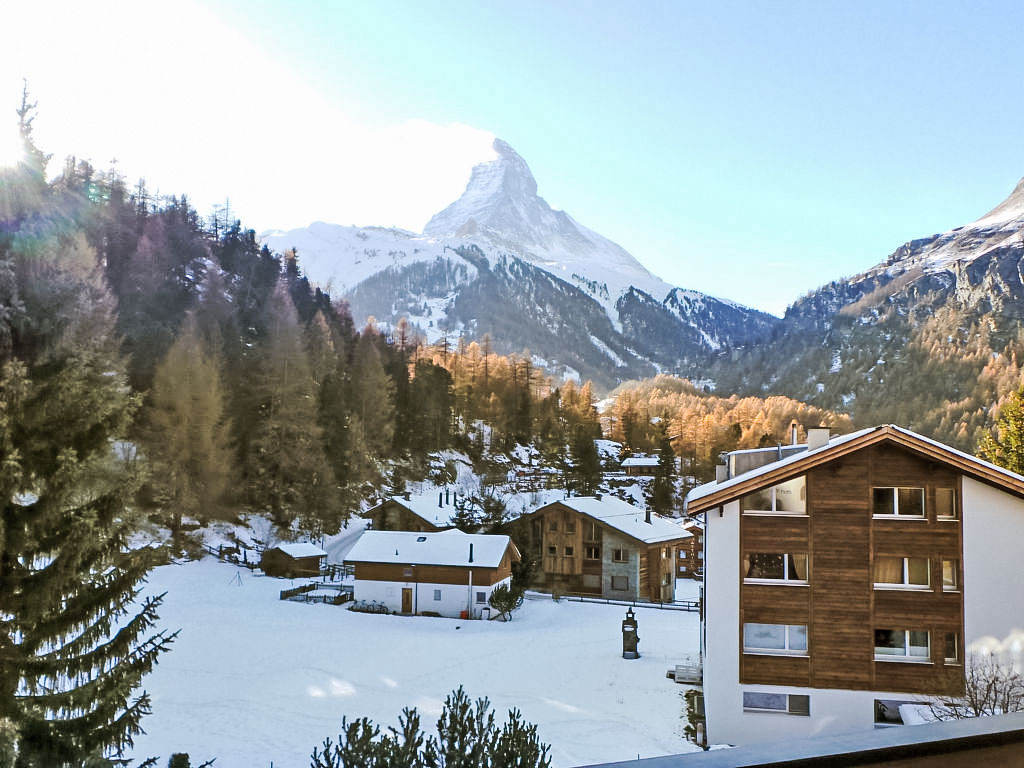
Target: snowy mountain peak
(1011,209)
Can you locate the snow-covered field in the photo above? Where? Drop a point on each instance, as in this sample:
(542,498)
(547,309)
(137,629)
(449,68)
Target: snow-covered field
(253,680)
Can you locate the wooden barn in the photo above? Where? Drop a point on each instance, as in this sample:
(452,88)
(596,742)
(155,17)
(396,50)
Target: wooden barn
(414,512)
(446,573)
(603,546)
(295,560)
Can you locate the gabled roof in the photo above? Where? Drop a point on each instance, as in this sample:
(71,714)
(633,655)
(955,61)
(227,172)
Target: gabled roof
(711,495)
(425,506)
(300,549)
(437,548)
(640,461)
(625,518)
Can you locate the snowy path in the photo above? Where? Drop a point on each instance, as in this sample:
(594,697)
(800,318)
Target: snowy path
(253,680)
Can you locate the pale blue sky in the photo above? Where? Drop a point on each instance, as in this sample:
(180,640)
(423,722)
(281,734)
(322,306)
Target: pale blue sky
(750,150)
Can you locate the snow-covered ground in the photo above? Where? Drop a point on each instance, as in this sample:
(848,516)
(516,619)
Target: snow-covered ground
(253,680)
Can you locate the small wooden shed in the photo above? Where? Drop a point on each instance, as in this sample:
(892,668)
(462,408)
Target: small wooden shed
(294,560)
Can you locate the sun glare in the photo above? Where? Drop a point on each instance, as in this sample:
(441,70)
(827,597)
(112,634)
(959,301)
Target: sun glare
(12,151)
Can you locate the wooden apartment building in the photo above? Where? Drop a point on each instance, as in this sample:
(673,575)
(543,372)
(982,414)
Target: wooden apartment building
(848,579)
(603,546)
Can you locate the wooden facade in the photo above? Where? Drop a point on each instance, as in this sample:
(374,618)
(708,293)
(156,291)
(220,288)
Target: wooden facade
(690,555)
(392,515)
(274,562)
(435,574)
(839,601)
(578,554)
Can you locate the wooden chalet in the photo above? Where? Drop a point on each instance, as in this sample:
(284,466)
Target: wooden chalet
(850,579)
(292,561)
(431,511)
(603,546)
(690,555)
(447,573)
(640,466)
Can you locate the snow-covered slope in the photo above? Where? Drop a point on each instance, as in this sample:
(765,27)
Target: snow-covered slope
(500,260)
(501,205)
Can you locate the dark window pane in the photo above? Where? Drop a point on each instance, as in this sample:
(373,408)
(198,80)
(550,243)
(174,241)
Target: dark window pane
(762,565)
(911,502)
(882,504)
(945,502)
(756,700)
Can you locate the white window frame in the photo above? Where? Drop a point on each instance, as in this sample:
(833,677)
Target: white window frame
(789,708)
(790,635)
(624,555)
(896,503)
(906,584)
(481,598)
(437,594)
(787,578)
(775,506)
(906,656)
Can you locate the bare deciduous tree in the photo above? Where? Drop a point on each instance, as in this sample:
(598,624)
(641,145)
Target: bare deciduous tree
(991,687)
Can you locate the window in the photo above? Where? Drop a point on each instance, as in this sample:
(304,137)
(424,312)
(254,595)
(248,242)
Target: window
(667,580)
(902,645)
(945,504)
(887,712)
(950,575)
(590,552)
(552,525)
(665,554)
(568,552)
(912,572)
(481,597)
(620,556)
(437,594)
(775,638)
(407,572)
(570,527)
(898,502)
(552,550)
(789,498)
(620,583)
(771,566)
(787,703)
(590,531)
(952,653)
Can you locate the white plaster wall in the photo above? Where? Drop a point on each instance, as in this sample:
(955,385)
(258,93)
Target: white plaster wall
(721,612)
(832,712)
(993,527)
(455,598)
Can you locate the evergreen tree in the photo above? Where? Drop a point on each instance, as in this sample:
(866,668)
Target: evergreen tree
(287,472)
(372,394)
(586,463)
(663,496)
(1006,448)
(187,435)
(73,641)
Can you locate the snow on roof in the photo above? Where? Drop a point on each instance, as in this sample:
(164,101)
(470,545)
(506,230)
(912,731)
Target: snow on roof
(439,548)
(713,487)
(300,549)
(626,518)
(425,506)
(640,461)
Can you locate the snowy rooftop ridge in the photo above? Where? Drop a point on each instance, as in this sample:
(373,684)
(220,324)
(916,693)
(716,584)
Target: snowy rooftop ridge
(702,491)
(626,518)
(300,549)
(431,507)
(451,548)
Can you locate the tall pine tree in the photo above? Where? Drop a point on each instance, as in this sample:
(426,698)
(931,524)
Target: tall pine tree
(73,639)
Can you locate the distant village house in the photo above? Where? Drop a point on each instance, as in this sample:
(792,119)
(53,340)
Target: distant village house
(292,561)
(446,573)
(414,512)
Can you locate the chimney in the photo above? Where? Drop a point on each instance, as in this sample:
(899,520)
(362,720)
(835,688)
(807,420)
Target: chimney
(647,517)
(792,431)
(471,551)
(721,473)
(446,495)
(597,496)
(440,499)
(408,495)
(817,437)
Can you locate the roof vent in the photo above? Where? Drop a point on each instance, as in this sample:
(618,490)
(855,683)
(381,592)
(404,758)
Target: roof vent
(421,538)
(817,437)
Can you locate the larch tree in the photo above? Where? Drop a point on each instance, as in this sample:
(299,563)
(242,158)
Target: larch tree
(74,640)
(288,474)
(188,434)
(1006,447)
